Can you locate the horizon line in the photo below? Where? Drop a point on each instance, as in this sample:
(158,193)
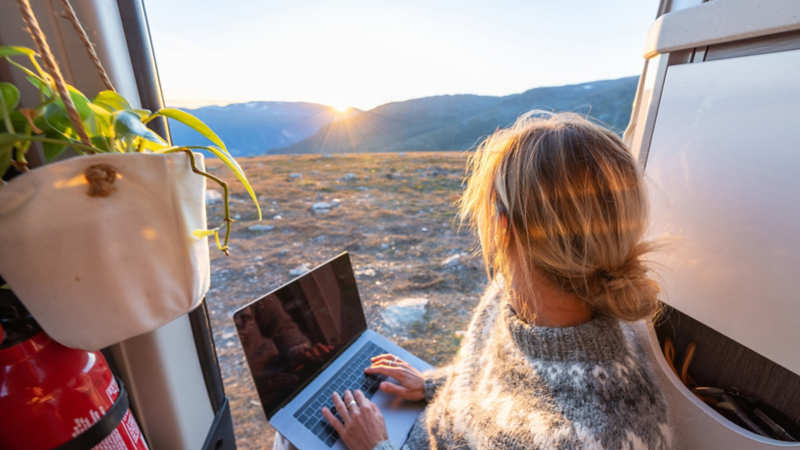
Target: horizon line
(197,104)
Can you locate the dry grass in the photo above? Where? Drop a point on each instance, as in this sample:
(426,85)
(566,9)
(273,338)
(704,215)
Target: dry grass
(398,217)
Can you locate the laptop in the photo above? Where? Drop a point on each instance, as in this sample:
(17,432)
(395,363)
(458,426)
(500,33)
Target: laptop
(308,339)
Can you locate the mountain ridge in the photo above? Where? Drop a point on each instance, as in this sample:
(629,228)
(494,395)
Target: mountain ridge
(441,122)
(459,122)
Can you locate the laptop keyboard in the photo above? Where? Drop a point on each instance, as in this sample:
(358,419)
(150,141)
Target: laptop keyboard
(351,376)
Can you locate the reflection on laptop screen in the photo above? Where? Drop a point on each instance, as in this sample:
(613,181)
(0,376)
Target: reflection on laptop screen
(291,333)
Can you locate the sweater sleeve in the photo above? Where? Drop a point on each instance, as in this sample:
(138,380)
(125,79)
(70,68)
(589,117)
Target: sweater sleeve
(433,380)
(385,445)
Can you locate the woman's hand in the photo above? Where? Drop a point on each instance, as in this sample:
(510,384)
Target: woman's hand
(411,381)
(363,427)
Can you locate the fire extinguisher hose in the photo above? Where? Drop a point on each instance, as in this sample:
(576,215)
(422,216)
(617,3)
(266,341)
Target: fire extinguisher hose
(101,429)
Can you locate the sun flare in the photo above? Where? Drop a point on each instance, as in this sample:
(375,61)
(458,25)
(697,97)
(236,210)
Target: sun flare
(341,108)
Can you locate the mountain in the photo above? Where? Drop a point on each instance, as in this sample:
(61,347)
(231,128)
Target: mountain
(255,127)
(459,122)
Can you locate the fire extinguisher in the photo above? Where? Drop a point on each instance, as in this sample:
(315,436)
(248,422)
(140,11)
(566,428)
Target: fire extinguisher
(55,397)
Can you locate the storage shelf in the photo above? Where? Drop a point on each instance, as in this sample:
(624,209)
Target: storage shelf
(698,426)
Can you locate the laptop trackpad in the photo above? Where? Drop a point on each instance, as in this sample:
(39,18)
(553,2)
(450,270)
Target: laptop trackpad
(398,414)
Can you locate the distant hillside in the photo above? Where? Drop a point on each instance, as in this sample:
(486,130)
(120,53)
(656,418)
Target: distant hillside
(459,122)
(255,127)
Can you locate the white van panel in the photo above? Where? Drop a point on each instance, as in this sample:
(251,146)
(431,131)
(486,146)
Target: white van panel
(724,175)
(691,23)
(162,372)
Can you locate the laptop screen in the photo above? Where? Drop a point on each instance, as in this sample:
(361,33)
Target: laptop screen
(290,334)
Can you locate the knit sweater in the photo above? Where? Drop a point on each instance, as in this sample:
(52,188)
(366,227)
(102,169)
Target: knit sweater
(517,386)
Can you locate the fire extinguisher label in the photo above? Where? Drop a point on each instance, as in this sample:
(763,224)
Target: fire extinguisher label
(127,434)
(126,437)
(83,423)
(128,427)
(131,427)
(113,442)
(112,390)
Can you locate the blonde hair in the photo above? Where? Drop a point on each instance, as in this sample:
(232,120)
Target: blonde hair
(563,198)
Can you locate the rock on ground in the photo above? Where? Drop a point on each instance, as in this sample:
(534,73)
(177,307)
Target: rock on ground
(453,260)
(261,227)
(213,197)
(404,312)
(299,270)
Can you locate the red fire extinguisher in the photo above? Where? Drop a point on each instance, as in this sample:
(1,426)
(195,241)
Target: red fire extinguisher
(55,397)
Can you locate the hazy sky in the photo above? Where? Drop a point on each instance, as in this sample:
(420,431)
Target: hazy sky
(364,53)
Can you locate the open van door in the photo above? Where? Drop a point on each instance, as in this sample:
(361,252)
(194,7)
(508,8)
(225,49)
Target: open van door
(171,374)
(715,126)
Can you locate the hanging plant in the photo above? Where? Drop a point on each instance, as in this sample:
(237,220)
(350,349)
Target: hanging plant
(106,124)
(111,244)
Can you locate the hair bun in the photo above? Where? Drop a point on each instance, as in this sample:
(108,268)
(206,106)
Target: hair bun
(625,291)
(605,275)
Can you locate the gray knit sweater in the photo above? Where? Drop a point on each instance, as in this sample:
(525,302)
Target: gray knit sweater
(516,386)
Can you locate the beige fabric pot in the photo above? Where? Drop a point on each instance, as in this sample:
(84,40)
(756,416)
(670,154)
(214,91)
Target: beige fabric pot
(95,271)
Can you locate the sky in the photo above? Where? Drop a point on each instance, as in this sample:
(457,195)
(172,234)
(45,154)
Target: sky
(364,53)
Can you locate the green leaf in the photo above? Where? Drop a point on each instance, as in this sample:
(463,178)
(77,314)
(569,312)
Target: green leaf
(129,124)
(81,103)
(18,121)
(52,150)
(193,123)
(99,111)
(200,234)
(53,119)
(10,95)
(10,50)
(143,113)
(7,143)
(27,71)
(80,100)
(234,167)
(10,139)
(101,125)
(111,101)
(154,146)
(5,160)
(101,143)
(40,84)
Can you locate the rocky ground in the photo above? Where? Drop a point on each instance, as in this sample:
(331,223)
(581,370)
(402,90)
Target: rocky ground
(396,215)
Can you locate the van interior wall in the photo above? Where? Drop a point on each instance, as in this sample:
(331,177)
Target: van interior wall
(722,362)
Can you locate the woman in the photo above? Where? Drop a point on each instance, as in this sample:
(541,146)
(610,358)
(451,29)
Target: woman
(548,361)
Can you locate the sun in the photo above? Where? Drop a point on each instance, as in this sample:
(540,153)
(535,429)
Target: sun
(341,108)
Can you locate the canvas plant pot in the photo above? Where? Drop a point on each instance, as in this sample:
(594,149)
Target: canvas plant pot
(94,271)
